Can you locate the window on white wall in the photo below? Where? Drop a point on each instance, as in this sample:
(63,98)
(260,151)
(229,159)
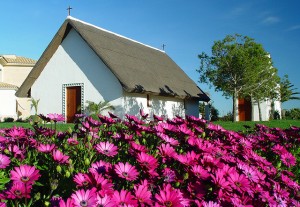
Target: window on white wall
(149,103)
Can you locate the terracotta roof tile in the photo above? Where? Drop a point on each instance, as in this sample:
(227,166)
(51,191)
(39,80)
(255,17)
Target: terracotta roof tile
(13,59)
(7,86)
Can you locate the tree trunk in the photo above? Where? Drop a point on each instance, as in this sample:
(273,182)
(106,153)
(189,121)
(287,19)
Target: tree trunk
(272,112)
(259,110)
(252,108)
(235,111)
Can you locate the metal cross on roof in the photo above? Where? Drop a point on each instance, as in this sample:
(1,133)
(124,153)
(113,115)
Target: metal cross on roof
(69,10)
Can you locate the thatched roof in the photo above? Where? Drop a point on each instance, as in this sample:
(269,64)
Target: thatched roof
(138,67)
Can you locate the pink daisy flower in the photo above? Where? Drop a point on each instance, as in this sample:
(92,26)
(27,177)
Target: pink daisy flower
(165,150)
(4,161)
(251,173)
(107,149)
(104,201)
(134,147)
(19,190)
(168,139)
(169,175)
(85,198)
(104,186)
(72,141)
(169,197)
(45,148)
(68,203)
(25,174)
(200,172)
(143,195)
(210,204)
(288,159)
(222,185)
(100,167)
(81,180)
(278,149)
(123,198)
(147,161)
(239,182)
(59,157)
(17,132)
(56,117)
(126,171)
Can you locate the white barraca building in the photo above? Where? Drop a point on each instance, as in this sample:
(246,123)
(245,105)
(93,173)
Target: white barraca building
(13,71)
(86,63)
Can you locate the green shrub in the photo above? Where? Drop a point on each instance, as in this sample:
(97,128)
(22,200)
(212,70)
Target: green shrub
(293,113)
(8,119)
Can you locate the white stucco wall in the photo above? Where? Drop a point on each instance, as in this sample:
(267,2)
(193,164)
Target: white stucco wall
(75,62)
(15,75)
(265,109)
(7,104)
(159,105)
(23,107)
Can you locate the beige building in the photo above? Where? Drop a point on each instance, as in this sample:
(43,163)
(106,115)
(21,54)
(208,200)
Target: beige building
(13,71)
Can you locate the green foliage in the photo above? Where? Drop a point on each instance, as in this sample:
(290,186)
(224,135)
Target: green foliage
(214,113)
(4,178)
(227,117)
(238,66)
(293,114)
(240,126)
(287,90)
(35,104)
(97,108)
(8,119)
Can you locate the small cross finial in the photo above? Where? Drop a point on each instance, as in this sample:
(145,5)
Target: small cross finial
(163,47)
(69,10)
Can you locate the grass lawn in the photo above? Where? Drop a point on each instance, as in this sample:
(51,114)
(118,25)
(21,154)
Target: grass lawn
(59,127)
(239,126)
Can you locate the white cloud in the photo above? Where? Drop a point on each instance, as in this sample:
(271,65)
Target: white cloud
(270,20)
(295,27)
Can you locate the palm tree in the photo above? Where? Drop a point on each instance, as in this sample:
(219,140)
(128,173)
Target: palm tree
(98,108)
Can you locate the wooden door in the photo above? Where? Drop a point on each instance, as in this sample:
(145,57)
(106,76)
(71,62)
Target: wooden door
(73,102)
(245,109)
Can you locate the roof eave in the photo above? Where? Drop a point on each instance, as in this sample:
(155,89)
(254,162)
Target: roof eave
(43,60)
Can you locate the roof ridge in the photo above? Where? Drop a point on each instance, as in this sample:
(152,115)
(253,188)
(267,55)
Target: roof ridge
(105,30)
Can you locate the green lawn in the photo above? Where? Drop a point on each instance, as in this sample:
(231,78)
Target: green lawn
(59,127)
(239,126)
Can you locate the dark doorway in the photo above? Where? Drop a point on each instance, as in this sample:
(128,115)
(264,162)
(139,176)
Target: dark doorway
(245,109)
(73,102)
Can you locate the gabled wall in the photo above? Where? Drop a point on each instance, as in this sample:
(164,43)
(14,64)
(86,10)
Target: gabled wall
(74,62)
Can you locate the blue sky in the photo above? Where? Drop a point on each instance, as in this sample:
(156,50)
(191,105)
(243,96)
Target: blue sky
(186,27)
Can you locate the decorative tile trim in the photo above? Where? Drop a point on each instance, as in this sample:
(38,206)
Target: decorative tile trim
(64,86)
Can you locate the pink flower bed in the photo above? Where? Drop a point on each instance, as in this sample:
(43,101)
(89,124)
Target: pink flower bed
(134,162)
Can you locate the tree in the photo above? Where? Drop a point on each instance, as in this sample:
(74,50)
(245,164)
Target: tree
(214,113)
(97,108)
(234,67)
(267,88)
(287,90)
